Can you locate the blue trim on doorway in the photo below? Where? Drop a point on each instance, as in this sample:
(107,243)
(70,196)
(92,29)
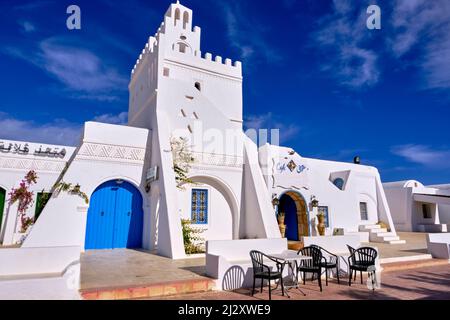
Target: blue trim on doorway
(306,205)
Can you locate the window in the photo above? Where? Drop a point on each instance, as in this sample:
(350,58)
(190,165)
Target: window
(166,72)
(363,211)
(198,86)
(41,201)
(199,206)
(339,183)
(324,210)
(426,212)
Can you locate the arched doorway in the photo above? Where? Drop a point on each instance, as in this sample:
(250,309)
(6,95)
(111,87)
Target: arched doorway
(2,205)
(115,217)
(294,207)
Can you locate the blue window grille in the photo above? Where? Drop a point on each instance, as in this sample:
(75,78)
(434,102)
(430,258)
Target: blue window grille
(199,206)
(339,183)
(324,210)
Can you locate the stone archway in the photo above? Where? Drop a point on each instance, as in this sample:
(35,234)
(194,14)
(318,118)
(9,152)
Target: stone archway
(293,205)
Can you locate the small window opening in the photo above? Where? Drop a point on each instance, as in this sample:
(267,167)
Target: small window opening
(198,86)
(166,72)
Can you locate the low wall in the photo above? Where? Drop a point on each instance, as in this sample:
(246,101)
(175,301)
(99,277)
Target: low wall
(334,244)
(30,262)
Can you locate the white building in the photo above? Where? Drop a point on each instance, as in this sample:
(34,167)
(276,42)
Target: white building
(176,91)
(416,207)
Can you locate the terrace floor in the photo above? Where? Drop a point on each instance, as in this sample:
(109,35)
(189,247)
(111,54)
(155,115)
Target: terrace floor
(428,283)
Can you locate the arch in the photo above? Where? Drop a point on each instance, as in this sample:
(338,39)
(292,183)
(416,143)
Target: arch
(115,216)
(227,193)
(295,208)
(177,16)
(185,19)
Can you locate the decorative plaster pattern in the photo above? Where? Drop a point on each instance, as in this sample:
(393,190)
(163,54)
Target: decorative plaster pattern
(31,164)
(93,151)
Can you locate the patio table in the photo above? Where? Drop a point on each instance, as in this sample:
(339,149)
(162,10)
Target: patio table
(290,258)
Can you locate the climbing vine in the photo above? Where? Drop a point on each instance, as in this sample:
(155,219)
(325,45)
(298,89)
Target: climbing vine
(182,161)
(71,189)
(23,196)
(193,242)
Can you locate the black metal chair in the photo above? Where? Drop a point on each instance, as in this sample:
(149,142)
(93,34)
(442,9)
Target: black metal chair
(328,264)
(265,272)
(313,266)
(362,260)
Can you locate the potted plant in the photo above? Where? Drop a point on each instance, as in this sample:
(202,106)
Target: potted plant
(281,216)
(321,225)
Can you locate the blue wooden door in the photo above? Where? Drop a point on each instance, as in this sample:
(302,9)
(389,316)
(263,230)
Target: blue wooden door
(288,206)
(115,217)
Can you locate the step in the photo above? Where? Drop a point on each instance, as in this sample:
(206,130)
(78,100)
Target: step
(378,231)
(369,227)
(397,242)
(406,265)
(150,291)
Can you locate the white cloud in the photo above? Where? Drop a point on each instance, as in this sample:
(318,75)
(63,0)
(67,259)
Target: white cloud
(27,26)
(121,118)
(83,73)
(423,155)
(269,121)
(59,132)
(248,35)
(341,38)
(423,26)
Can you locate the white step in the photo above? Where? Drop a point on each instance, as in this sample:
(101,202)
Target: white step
(397,242)
(369,227)
(378,231)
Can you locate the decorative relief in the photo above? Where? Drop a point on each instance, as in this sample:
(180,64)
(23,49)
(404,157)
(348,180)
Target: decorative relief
(29,164)
(94,151)
(218,160)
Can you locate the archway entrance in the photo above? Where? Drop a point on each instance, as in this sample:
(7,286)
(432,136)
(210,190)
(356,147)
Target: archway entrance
(115,217)
(293,206)
(2,205)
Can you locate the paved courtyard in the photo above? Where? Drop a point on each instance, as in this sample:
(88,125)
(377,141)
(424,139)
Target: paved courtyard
(415,284)
(128,268)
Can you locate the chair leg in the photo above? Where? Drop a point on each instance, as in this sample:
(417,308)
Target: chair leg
(282,286)
(361,278)
(326,277)
(270,291)
(373,280)
(262,284)
(356,272)
(350,278)
(337,274)
(320,280)
(253,291)
(304,277)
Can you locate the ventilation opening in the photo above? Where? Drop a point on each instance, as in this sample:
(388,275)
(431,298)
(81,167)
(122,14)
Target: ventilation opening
(190,129)
(182,47)
(198,86)
(185,19)
(177,15)
(195,115)
(166,72)
(183,114)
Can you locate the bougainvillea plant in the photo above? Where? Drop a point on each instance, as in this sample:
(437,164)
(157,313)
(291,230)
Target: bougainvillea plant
(24,199)
(183,160)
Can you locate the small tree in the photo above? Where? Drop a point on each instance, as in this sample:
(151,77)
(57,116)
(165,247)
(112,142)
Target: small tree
(193,242)
(182,161)
(24,197)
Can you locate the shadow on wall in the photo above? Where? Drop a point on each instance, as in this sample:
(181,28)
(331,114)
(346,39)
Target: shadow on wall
(233,279)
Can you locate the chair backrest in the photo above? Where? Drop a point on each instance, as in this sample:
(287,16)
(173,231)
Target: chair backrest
(314,252)
(352,251)
(257,261)
(367,255)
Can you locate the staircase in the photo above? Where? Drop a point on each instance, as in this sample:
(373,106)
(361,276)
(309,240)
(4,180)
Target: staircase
(381,235)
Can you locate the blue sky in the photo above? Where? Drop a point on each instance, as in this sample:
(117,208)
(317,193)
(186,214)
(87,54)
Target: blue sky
(312,69)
